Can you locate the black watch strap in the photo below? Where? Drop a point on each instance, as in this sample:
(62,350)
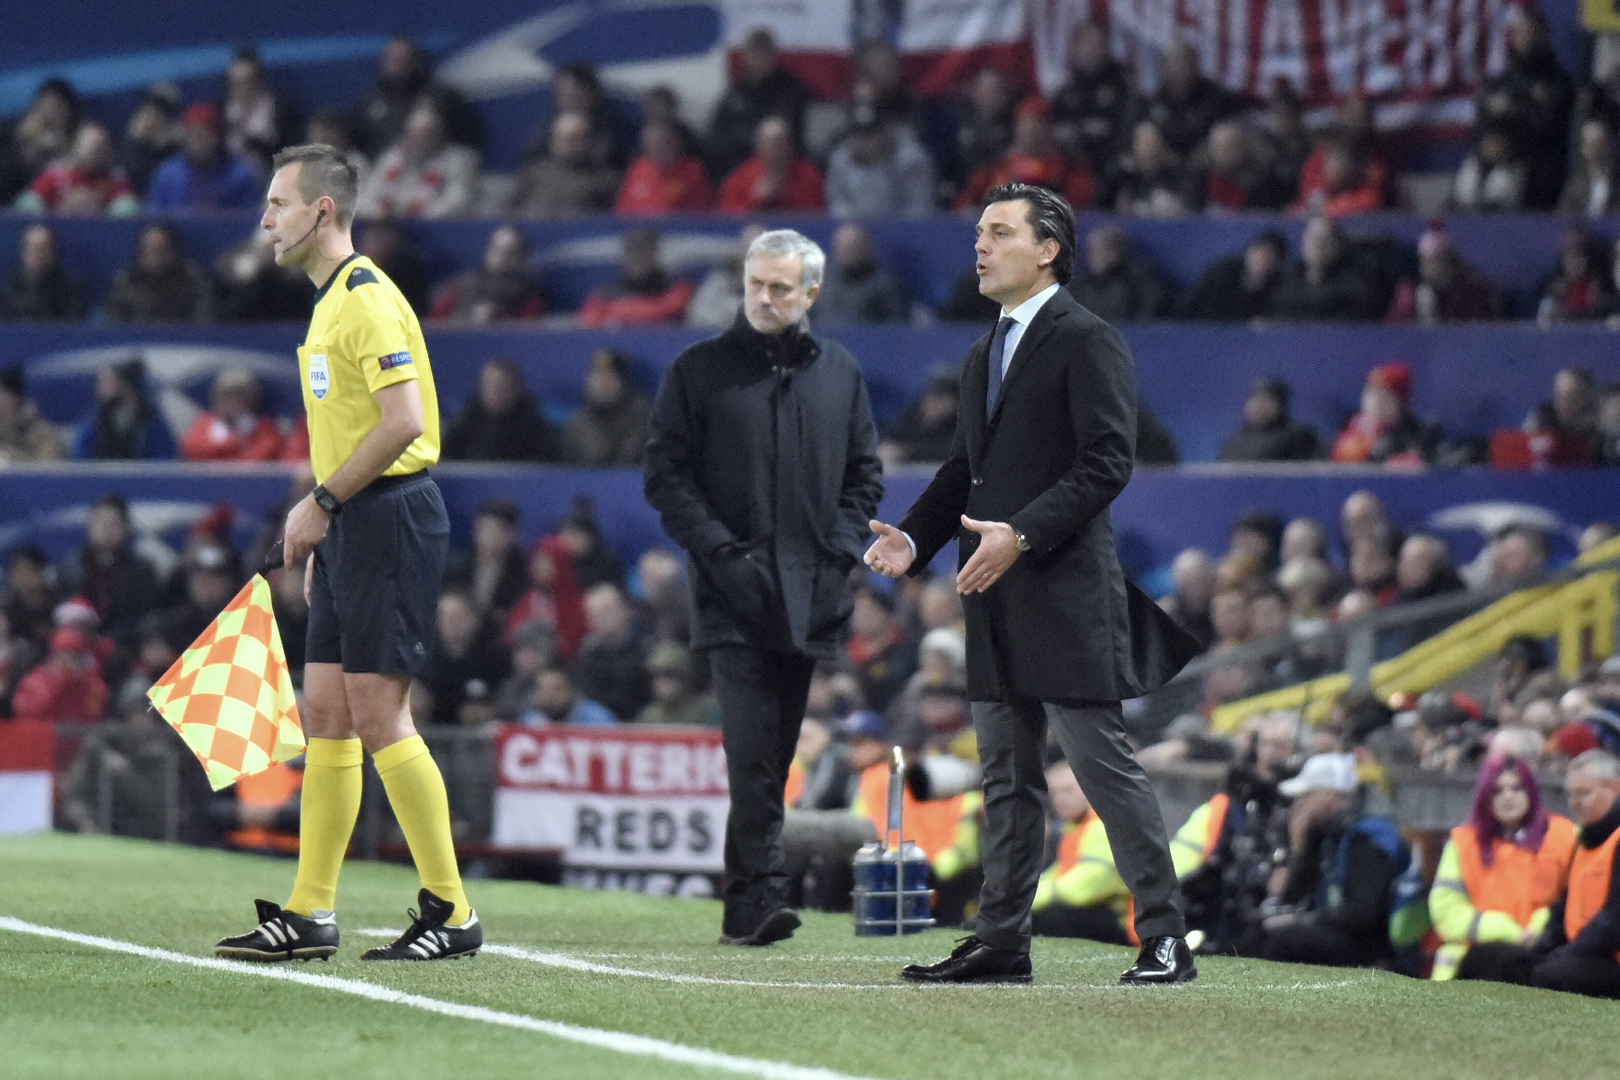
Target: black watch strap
(326,500)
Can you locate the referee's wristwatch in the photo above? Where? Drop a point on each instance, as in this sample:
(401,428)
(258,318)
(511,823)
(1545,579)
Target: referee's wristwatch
(326,500)
(1023,542)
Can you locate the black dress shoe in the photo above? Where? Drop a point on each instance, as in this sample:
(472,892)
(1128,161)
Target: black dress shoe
(973,962)
(777,924)
(1164,961)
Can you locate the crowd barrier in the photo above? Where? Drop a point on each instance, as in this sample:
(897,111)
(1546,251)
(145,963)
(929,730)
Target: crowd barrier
(1160,512)
(1515,251)
(623,807)
(1471,380)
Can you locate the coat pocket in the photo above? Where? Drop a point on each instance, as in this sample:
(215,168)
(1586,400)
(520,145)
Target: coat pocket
(831,599)
(746,586)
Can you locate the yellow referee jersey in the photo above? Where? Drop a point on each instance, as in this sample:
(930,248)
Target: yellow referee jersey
(362,337)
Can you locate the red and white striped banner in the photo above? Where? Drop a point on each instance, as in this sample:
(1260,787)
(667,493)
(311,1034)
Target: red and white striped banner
(1421,60)
(27,767)
(940,41)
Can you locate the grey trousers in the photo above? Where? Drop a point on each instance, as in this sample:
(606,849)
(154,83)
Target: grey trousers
(1011,740)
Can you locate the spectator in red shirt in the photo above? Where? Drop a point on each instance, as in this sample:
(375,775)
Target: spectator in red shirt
(646,293)
(1447,288)
(554,599)
(1578,290)
(665,179)
(500,289)
(66,686)
(88,182)
(1033,158)
(1234,178)
(1341,177)
(1386,430)
(233,429)
(775,178)
(295,442)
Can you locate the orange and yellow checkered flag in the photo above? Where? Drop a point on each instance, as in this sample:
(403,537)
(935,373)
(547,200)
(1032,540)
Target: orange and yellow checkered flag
(230,696)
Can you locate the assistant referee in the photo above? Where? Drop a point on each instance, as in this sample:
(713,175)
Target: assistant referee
(371,540)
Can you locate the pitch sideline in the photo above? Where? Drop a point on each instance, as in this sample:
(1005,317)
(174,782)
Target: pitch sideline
(574,963)
(617,1041)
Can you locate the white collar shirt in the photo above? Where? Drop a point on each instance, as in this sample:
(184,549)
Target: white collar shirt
(1022,316)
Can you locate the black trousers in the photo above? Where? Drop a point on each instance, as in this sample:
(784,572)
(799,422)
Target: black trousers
(1578,973)
(1498,961)
(1011,739)
(762,697)
(1058,919)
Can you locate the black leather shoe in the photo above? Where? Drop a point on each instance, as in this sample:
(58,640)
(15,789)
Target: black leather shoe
(777,925)
(1164,961)
(973,962)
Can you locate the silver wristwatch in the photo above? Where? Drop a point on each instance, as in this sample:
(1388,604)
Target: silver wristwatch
(1023,544)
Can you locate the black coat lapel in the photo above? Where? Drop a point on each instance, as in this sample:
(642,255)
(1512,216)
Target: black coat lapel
(975,385)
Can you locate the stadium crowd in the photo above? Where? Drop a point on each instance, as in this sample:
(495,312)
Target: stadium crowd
(606,425)
(1104,140)
(1186,147)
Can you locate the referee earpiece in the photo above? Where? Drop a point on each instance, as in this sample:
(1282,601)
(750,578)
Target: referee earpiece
(320,216)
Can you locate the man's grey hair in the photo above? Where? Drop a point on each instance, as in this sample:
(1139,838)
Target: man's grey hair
(791,242)
(1598,764)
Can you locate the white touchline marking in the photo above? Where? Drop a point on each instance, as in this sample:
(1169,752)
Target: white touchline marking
(1196,986)
(618,1041)
(572,963)
(562,960)
(575,963)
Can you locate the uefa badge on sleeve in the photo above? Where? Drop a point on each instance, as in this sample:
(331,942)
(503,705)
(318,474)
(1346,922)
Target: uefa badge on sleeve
(320,377)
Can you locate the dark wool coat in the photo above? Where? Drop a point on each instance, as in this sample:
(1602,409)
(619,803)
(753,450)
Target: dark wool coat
(1063,624)
(763,466)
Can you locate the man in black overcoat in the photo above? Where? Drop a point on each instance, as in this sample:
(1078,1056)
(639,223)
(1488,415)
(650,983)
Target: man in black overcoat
(1056,634)
(763,466)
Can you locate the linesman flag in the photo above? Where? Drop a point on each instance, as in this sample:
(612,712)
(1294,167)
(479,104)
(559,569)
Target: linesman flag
(230,696)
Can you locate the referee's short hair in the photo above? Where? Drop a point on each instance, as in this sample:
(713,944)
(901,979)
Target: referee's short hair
(325,172)
(1052,218)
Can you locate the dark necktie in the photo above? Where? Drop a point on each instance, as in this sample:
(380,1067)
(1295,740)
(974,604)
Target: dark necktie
(998,349)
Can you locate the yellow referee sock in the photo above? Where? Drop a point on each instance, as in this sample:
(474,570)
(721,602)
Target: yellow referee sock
(416,792)
(329,805)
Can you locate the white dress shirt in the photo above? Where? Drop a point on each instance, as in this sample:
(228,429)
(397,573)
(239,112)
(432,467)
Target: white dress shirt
(1022,316)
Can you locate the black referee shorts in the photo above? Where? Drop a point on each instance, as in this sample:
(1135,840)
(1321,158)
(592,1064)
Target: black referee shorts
(375,597)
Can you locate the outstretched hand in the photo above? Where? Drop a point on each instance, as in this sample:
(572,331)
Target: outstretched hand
(998,550)
(890,554)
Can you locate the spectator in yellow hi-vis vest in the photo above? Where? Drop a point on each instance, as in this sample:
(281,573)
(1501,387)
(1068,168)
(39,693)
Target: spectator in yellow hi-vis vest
(1081,894)
(1580,949)
(1499,874)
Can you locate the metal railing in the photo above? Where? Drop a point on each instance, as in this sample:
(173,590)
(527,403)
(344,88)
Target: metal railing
(178,805)
(1343,656)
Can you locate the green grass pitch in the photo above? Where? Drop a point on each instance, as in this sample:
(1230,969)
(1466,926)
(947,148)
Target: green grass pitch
(649,967)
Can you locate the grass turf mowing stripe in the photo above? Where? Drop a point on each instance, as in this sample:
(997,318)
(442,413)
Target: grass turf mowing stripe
(575,963)
(562,960)
(620,1041)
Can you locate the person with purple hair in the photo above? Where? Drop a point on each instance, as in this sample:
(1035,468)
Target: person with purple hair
(1500,873)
